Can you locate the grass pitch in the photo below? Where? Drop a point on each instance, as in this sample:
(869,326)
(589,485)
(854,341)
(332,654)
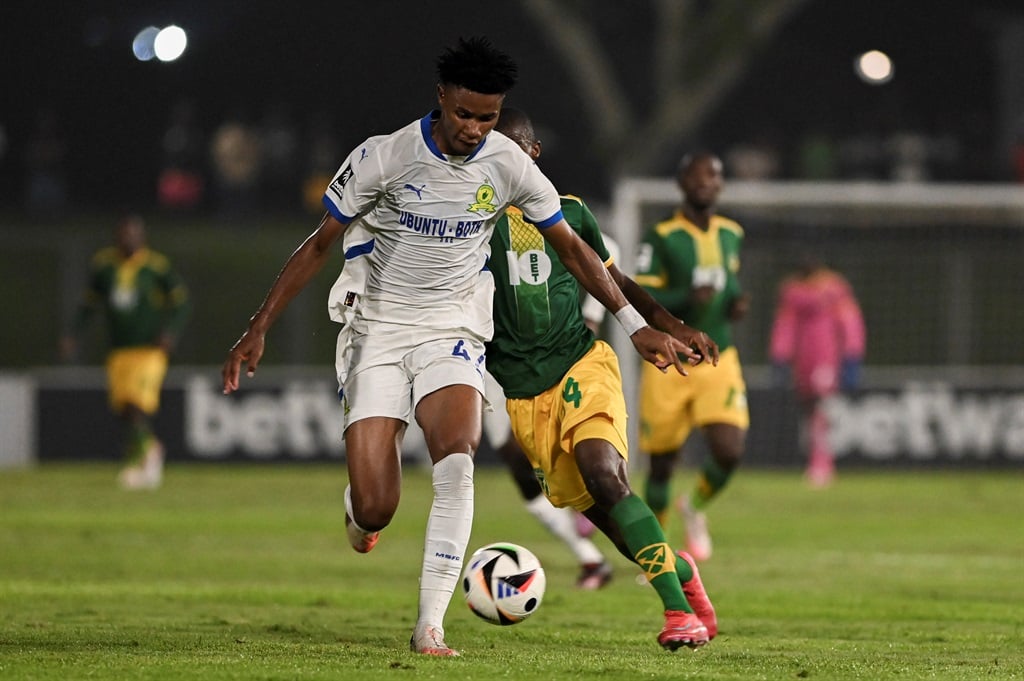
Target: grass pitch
(238,572)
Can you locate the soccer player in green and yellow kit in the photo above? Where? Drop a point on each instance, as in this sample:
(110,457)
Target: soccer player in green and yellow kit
(689,264)
(145,304)
(564,397)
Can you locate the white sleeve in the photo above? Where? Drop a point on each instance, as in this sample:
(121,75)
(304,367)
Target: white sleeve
(538,198)
(357,185)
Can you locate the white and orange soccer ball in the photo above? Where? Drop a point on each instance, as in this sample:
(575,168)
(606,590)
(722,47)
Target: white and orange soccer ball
(503,583)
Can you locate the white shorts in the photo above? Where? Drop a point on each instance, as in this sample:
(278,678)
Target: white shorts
(387,374)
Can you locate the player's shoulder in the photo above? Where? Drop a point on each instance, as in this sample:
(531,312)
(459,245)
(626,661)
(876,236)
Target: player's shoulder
(729,225)
(396,144)
(108,256)
(669,225)
(157,261)
(574,210)
(570,200)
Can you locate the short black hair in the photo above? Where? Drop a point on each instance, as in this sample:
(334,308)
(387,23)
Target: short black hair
(510,119)
(476,65)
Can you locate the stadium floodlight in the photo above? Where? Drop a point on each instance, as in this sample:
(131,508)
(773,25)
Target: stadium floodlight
(170,43)
(142,44)
(874,67)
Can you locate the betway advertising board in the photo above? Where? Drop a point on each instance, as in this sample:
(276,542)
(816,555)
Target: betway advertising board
(922,417)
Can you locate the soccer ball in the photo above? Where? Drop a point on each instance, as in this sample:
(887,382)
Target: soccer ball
(503,583)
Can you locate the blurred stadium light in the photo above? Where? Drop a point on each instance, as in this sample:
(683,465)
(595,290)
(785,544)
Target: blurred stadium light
(166,44)
(874,67)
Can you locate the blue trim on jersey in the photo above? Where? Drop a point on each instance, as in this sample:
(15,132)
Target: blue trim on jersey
(335,213)
(550,221)
(428,139)
(359,249)
(477,150)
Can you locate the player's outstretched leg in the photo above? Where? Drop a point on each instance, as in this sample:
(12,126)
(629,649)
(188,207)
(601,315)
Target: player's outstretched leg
(696,596)
(361,540)
(646,544)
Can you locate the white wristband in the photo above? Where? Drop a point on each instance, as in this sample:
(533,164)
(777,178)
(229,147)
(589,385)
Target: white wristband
(631,320)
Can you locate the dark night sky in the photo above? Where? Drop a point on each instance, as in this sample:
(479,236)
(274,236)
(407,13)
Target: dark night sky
(371,65)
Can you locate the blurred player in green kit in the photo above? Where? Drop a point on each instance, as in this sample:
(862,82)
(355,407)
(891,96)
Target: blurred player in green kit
(145,304)
(689,263)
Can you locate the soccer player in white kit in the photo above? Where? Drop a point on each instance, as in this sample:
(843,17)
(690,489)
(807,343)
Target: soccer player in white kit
(429,194)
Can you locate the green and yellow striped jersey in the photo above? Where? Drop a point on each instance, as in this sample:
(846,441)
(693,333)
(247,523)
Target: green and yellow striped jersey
(141,297)
(539,331)
(676,257)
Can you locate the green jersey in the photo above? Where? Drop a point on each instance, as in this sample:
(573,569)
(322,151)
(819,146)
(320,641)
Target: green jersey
(141,296)
(539,331)
(677,257)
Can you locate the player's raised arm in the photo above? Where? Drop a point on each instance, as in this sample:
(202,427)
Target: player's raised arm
(658,348)
(298,270)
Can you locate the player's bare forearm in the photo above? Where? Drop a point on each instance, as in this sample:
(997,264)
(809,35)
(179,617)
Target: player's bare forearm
(303,264)
(584,264)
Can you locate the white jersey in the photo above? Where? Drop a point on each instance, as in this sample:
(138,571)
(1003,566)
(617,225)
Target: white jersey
(431,217)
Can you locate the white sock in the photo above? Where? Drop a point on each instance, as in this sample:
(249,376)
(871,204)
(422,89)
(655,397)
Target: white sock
(561,523)
(448,527)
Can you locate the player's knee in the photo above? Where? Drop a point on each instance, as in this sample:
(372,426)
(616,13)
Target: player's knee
(661,466)
(441,445)
(453,475)
(373,516)
(728,454)
(607,487)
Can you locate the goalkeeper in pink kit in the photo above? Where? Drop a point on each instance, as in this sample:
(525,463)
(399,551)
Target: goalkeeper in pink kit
(817,343)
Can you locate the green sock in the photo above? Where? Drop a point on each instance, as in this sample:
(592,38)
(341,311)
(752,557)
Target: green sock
(713,478)
(656,494)
(646,541)
(139,438)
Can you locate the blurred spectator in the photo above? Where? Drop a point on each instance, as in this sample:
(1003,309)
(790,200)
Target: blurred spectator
(817,346)
(816,157)
(861,156)
(323,151)
(180,185)
(45,159)
(236,152)
(280,138)
(757,160)
(908,153)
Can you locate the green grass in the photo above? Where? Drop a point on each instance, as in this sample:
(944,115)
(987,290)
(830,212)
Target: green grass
(240,572)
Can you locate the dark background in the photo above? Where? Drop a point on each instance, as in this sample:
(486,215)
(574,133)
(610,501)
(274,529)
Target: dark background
(370,67)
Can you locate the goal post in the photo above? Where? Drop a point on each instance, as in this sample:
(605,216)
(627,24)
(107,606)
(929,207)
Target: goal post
(938,268)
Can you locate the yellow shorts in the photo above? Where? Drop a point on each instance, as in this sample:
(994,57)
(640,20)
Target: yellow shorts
(135,376)
(672,405)
(586,404)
